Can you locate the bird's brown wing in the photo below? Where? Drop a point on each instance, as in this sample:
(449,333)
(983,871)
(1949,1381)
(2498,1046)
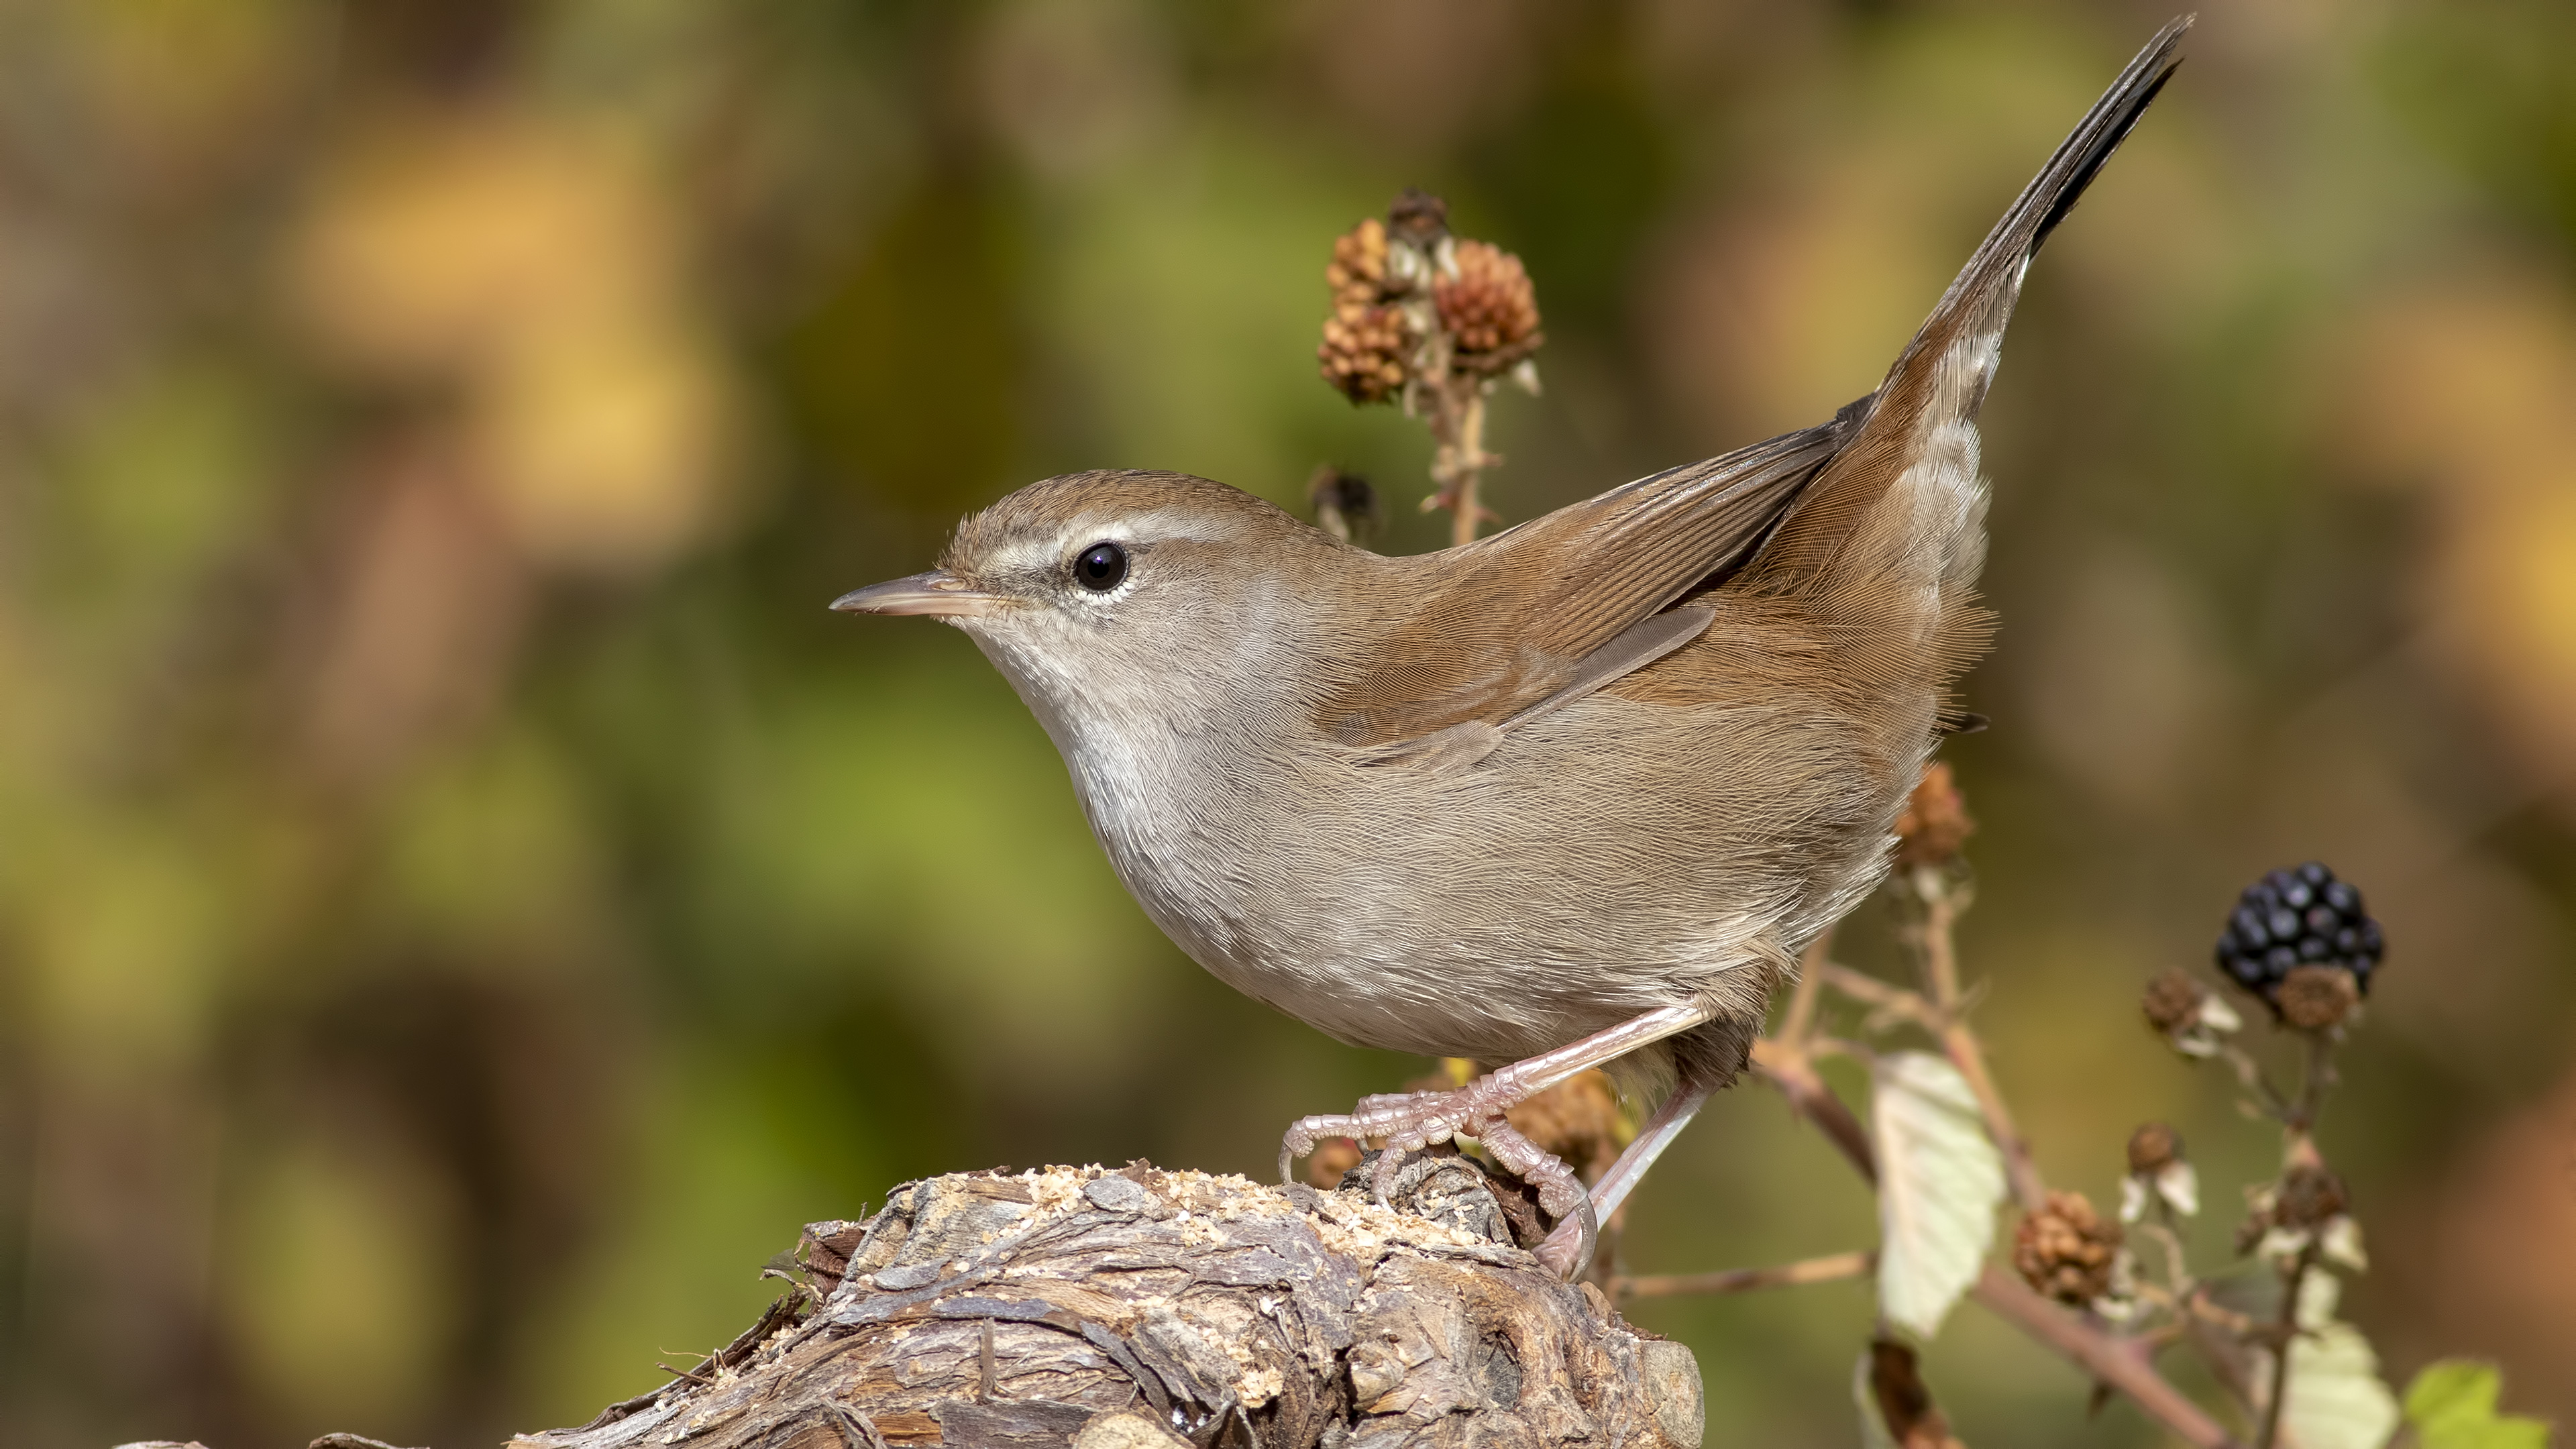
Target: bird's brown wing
(1542,614)
(1545,613)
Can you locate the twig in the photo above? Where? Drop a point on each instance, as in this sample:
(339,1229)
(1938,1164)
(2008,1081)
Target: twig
(2319,1078)
(2285,1331)
(1941,983)
(1794,1073)
(1845,1047)
(1883,998)
(2101,1355)
(2218,1334)
(2249,1075)
(1745,1280)
(1459,461)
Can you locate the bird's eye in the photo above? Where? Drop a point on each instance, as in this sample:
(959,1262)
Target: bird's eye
(1100,567)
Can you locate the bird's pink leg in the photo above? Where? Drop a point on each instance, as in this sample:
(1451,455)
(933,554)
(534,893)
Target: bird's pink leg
(1569,1247)
(1410,1121)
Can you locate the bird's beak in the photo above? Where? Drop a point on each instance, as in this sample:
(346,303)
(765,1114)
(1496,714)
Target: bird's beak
(938,593)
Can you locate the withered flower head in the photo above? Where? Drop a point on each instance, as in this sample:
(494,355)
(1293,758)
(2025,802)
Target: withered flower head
(2310,1197)
(2316,998)
(1934,825)
(1345,506)
(2153,1147)
(1418,216)
(2308,1208)
(2066,1251)
(2158,1172)
(2172,1002)
(2187,1015)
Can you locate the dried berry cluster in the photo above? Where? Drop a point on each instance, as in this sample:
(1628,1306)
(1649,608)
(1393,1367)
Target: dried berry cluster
(1365,339)
(1935,825)
(2067,1251)
(1489,309)
(1411,303)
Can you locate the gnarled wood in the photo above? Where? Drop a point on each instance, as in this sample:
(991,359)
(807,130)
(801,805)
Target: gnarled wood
(1143,1309)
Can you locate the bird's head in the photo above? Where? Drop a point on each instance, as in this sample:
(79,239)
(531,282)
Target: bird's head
(1112,593)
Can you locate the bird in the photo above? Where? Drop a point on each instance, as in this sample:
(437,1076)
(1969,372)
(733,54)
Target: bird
(1576,794)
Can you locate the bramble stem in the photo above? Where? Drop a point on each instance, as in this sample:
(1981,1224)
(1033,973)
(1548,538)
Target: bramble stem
(2301,1119)
(2287,1331)
(1459,462)
(1790,1069)
(1744,1280)
(1941,983)
(2249,1075)
(2108,1359)
(1882,998)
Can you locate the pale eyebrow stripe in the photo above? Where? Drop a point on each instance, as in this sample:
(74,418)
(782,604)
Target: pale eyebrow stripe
(1158,526)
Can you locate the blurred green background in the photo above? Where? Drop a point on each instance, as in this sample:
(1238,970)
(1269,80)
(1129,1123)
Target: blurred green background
(464,902)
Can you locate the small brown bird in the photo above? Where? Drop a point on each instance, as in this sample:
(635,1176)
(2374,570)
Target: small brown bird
(1575,794)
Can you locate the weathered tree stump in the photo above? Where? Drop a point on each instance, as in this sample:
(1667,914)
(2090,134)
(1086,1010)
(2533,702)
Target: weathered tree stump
(1143,1309)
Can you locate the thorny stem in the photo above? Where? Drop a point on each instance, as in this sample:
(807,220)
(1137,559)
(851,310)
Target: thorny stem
(2177,1274)
(1457,465)
(1941,982)
(2285,1331)
(1790,1069)
(1744,1280)
(2249,1075)
(2219,1335)
(2318,1080)
(1835,1046)
(2194,1315)
(2108,1359)
(1881,998)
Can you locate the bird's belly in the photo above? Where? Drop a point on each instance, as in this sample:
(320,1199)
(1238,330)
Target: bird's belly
(1585,873)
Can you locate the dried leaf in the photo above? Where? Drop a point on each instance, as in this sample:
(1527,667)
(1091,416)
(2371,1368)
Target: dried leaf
(1940,1178)
(1896,1408)
(2452,1405)
(1873,1424)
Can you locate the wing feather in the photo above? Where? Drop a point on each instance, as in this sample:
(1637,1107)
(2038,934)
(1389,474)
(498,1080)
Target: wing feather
(1869,526)
(1487,645)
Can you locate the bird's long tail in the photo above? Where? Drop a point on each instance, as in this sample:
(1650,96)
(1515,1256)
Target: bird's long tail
(1884,546)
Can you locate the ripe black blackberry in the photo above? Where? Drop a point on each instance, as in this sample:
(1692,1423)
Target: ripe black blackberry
(2293,918)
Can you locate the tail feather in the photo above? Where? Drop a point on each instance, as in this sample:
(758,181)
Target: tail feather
(1885,544)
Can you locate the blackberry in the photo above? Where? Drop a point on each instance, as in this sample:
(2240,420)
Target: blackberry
(2294,918)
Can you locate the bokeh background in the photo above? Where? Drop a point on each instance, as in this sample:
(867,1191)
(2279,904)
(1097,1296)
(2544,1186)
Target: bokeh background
(464,902)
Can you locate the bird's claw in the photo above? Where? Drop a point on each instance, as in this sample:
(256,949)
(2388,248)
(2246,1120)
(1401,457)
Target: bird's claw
(1570,1246)
(1411,1121)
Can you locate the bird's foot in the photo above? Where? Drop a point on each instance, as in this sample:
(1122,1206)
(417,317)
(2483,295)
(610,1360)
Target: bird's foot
(1409,1121)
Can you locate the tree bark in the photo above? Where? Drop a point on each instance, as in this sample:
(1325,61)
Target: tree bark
(1143,1309)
